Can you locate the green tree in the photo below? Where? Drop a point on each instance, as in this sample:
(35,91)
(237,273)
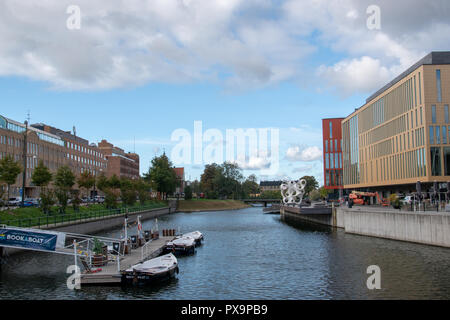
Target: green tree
(9,170)
(64,181)
(311,184)
(111,196)
(142,188)
(228,180)
(102,182)
(324,193)
(42,177)
(207,183)
(315,195)
(86,181)
(250,186)
(271,194)
(127,191)
(162,176)
(188,193)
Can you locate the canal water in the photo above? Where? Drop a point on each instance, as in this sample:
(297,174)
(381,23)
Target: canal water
(251,255)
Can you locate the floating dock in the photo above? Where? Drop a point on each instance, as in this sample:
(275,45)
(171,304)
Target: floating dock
(110,275)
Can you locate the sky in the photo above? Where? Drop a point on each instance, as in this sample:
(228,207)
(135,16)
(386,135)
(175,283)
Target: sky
(134,72)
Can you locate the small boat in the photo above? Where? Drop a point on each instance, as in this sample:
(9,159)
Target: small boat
(197,235)
(183,245)
(152,271)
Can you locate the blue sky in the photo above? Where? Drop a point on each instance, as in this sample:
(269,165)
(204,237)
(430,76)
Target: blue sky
(135,71)
(144,118)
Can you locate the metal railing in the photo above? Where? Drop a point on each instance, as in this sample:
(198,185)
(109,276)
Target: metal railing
(54,220)
(145,250)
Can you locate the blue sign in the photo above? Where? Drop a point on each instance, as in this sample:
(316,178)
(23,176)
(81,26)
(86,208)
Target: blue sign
(28,240)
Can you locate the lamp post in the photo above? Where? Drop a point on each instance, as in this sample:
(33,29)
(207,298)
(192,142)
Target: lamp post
(95,182)
(24,176)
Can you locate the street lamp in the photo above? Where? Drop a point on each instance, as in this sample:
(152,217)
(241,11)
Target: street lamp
(95,181)
(24,176)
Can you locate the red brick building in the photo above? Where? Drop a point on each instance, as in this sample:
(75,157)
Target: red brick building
(180,180)
(332,153)
(120,163)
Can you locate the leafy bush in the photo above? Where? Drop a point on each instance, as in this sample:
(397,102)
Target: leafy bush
(47,200)
(188,193)
(212,195)
(98,246)
(395,201)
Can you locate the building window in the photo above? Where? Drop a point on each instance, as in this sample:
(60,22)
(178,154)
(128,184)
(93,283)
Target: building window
(326,145)
(431,135)
(435,161)
(433,114)
(331,130)
(420,90)
(438,135)
(446,113)
(415,92)
(438,85)
(444,134)
(447,161)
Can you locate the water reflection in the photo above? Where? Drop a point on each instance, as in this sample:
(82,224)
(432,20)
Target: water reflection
(251,255)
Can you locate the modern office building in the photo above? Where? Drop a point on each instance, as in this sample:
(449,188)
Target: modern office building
(332,153)
(120,163)
(401,135)
(53,146)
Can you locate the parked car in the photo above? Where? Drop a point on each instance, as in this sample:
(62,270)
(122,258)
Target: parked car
(32,202)
(100,199)
(14,201)
(26,203)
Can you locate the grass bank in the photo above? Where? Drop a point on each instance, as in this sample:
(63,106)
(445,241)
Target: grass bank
(210,205)
(34,216)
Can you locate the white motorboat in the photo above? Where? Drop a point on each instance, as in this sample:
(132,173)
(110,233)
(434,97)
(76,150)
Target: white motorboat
(154,270)
(197,235)
(183,244)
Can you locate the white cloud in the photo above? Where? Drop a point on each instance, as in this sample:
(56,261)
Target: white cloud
(297,153)
(237,43)
(356,75)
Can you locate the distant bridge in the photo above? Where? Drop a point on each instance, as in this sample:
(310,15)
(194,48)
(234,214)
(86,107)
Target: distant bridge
(264,201)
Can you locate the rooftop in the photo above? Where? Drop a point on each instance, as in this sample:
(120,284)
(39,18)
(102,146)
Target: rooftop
(433,58)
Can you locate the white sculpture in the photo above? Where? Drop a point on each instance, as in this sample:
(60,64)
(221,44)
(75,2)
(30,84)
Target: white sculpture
(293,191)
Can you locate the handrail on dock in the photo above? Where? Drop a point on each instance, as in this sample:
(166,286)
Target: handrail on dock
(145,249)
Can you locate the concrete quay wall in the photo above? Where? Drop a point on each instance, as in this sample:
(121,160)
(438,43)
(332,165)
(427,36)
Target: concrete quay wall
(98,225)
(315,215)
(419,227)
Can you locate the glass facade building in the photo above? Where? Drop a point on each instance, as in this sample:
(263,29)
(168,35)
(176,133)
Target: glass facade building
(400,136)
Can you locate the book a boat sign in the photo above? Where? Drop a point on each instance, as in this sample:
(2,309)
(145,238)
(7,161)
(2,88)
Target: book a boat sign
(31,239)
